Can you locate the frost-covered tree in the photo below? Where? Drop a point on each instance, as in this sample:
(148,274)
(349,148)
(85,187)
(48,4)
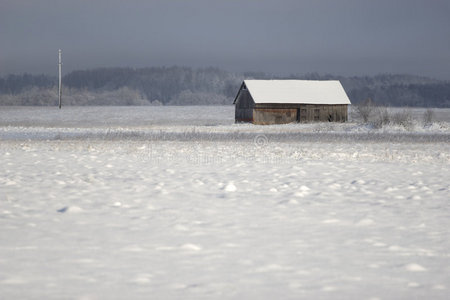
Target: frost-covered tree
(365,109)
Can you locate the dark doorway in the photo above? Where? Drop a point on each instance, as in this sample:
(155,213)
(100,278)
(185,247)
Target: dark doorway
(330,118)
(298,115)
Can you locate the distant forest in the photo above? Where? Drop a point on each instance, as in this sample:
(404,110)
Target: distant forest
(209,86)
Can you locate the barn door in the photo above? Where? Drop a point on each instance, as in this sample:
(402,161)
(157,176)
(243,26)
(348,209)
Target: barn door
(298,115)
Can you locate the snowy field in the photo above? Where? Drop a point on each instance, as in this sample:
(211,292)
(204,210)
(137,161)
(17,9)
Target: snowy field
(180,203)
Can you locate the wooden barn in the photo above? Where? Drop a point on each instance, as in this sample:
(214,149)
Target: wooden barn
(287,101)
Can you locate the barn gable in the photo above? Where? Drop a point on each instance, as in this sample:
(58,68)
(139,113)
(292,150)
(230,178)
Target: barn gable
(244,105)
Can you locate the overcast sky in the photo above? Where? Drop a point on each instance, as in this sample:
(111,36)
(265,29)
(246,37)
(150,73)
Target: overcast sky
(343,37)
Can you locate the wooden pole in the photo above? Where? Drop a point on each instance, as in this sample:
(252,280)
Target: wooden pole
(59,78)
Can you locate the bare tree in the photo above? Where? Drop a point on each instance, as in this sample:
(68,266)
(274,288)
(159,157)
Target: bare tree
(428,117)
(382,117)
(365,109)
(404,118)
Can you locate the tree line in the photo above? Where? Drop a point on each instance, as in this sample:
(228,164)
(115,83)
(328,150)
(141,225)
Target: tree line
(207,86)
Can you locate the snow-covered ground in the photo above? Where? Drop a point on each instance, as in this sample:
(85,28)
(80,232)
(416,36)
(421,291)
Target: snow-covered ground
(177,202)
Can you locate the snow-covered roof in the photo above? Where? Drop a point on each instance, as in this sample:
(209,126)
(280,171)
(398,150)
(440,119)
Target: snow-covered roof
(297,91)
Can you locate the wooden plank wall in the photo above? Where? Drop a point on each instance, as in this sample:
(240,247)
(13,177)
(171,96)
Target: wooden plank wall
(244,107)
(275,113)
(323,113)
(266,116)
(287,113)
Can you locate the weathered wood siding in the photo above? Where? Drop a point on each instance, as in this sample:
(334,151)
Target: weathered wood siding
(266,116)
(288,113)
(323,113)
(244,107)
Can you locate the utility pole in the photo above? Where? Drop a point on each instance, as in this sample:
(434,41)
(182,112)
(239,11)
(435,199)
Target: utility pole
(59,78)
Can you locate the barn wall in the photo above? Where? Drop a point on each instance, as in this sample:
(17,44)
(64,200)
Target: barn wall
(265,116)
(244,107)
(323,113)
(275,113)
(287,113)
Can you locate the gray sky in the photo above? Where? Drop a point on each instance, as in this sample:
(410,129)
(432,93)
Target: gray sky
(347,37)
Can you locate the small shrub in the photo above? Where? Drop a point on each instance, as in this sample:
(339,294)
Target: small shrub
(428,117)
(403,118)
(382,117)
(365,109)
